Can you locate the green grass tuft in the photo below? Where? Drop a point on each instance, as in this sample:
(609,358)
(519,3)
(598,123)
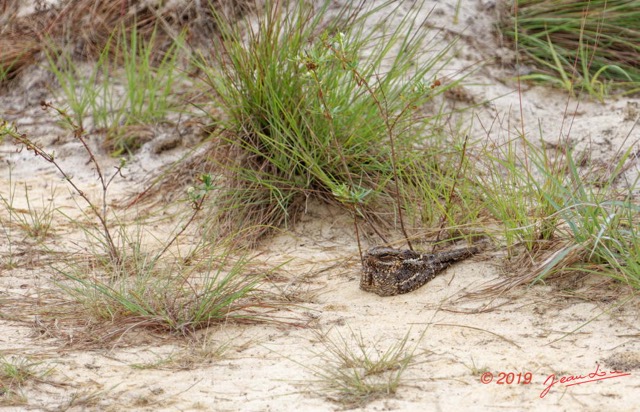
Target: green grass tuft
(131,83)
(561,213)
(580,45)
(318,105)
(174,298)
(358,375)
(15,374)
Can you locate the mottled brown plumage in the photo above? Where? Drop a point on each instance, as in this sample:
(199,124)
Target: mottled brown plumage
(388,271)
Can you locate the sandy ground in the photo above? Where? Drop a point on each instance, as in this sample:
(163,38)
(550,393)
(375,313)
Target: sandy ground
(457,342)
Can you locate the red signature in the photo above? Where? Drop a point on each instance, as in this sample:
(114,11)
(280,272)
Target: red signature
(571,380)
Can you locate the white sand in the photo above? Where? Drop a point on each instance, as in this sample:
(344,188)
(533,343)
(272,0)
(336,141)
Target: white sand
(538,330)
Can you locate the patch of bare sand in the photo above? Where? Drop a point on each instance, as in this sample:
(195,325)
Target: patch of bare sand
(270,367)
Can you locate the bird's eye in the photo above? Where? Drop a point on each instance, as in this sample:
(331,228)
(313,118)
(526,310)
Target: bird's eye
(387,257)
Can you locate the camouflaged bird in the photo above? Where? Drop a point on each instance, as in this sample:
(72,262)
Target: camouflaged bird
(388,271)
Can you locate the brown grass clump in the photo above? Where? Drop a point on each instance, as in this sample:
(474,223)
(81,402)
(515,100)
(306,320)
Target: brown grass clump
(20,39)
(15,54)
(86,26)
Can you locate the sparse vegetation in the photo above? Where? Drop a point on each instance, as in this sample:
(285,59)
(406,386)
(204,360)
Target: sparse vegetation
(16,372)
(144,98)
(475,370)
(139,286)
(305,102)
(354,372)
(100,212)
(197,352)
(174,299)
(34,221)
(559,213)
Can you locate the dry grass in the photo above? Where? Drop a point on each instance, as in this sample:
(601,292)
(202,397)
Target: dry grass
(20,39)
(97,312)
(16,52)
(146,300)
(353,372)
(86,26)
